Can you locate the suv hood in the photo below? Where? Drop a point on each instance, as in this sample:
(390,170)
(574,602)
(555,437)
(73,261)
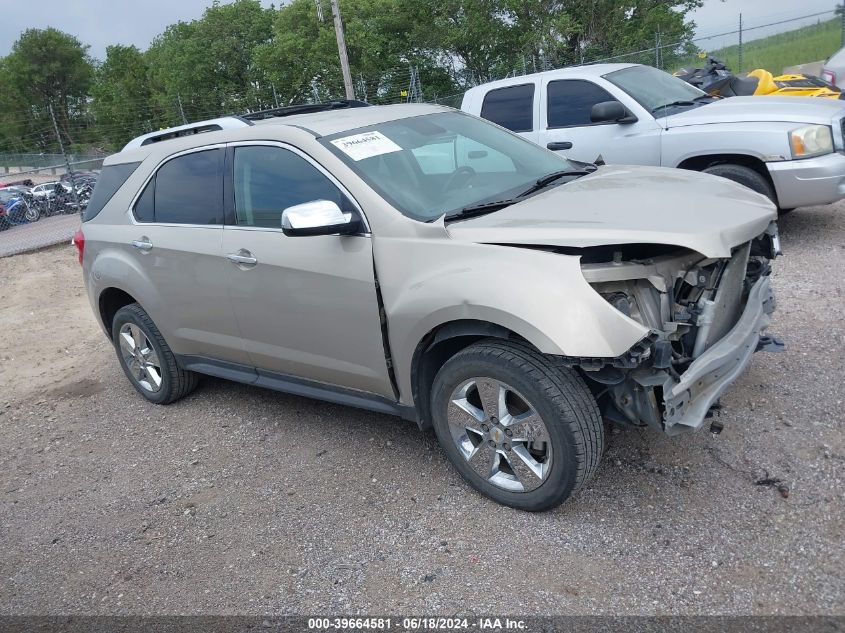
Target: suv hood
(629,205)
(758,109)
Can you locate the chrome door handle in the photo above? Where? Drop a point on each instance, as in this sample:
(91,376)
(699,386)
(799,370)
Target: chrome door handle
(242,257)
(144,244)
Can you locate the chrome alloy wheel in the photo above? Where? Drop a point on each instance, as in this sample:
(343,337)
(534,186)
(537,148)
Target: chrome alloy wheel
(500,434)
(140,357)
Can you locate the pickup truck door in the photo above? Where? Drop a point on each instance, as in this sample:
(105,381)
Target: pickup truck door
(565,125)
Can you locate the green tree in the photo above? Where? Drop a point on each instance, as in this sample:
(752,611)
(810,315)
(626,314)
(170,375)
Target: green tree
(205,67)
(122,102)
(383,40)
(48,67)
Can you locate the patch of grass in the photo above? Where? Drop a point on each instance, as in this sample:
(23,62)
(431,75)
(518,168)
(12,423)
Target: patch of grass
(801,46)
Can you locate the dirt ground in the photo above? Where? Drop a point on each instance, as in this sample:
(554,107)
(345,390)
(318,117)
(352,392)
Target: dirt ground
(238,500)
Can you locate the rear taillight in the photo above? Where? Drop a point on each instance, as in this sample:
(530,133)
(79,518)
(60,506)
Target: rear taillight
(829,76)
(79,241)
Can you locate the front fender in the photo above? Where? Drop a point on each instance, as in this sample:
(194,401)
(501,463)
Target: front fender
(764,141)
(540,296)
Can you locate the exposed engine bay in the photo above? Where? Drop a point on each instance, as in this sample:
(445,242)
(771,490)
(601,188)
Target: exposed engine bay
(706,317)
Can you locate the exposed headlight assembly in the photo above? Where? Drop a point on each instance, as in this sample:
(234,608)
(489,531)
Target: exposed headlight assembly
(811,140)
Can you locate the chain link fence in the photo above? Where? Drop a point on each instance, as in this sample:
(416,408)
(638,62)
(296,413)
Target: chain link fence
(43,194)
(754,42)
(41,198)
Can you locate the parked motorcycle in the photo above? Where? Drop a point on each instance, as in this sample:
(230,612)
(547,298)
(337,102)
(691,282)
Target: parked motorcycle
(716,79)
(14,210)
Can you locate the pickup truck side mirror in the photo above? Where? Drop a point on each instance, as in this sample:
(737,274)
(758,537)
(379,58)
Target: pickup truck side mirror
(611,112)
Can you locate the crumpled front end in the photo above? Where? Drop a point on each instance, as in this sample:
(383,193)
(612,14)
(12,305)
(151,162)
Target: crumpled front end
(706,318)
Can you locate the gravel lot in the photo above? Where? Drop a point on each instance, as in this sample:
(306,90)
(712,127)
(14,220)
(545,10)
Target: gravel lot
(239,500)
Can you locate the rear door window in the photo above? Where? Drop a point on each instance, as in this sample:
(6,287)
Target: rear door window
(511,107)
(569,101)
(187,189)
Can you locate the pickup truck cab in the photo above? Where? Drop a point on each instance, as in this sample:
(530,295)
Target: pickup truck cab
(789,149)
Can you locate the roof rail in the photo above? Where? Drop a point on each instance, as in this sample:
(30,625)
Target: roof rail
(212,125)
(304,108)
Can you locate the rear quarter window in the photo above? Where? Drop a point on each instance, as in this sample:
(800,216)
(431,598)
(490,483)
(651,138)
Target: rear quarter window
(111,179)
(511,107)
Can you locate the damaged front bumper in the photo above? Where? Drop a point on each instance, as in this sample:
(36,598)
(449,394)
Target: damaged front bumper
(688,398)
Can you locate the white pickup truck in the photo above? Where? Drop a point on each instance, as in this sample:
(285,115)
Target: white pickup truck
(790,149)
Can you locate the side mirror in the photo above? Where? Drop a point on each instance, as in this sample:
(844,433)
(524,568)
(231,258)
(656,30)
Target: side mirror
(320,217)
(611,111)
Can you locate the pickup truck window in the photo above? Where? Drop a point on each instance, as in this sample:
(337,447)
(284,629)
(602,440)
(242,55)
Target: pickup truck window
(511,107)
(569,102)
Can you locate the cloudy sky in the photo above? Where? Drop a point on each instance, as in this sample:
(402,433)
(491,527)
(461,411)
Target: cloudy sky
(103,22)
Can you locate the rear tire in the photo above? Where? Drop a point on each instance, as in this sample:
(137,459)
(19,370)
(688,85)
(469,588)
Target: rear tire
(147,359)
(744,176)
(562,419)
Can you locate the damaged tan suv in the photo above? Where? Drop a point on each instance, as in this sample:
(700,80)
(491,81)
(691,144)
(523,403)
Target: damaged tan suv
(422,262)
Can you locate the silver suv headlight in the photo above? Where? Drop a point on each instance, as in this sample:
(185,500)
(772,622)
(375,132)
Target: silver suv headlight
(811,140)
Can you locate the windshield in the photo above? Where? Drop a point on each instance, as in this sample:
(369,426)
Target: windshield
(435,164)
(653,88)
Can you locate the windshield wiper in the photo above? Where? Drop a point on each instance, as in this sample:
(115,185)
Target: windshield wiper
(475,210)
(484,208)
(548,179)
(683,102)
(673,104)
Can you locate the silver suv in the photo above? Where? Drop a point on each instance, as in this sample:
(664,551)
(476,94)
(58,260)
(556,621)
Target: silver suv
(418,261)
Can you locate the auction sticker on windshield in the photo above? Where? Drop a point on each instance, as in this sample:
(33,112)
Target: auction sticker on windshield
(366,145)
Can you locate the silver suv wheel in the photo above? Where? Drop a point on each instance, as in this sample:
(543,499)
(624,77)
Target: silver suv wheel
(500,434)
(147,359)
(140,357)
(518,425)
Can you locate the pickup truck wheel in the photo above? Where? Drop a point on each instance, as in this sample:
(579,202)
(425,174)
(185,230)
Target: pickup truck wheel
(147,359)
(519,427)
(744,176)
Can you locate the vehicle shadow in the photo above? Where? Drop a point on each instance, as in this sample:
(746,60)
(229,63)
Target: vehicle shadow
(810,225)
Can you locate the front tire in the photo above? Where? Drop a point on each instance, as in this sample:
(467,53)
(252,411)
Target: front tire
(147,359)
(520,427)
(31,214)
(744,176)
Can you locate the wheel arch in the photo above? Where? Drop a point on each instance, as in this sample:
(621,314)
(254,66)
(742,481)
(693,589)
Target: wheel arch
(703,161)
(439,345)
(111,300)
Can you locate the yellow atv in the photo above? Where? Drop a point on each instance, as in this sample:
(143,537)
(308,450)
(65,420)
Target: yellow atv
(792,85)
(717,79)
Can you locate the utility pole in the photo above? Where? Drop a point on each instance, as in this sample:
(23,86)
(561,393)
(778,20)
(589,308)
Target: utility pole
(739,63)
(842,15)
(341,49)
(67,161)
(181,109)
